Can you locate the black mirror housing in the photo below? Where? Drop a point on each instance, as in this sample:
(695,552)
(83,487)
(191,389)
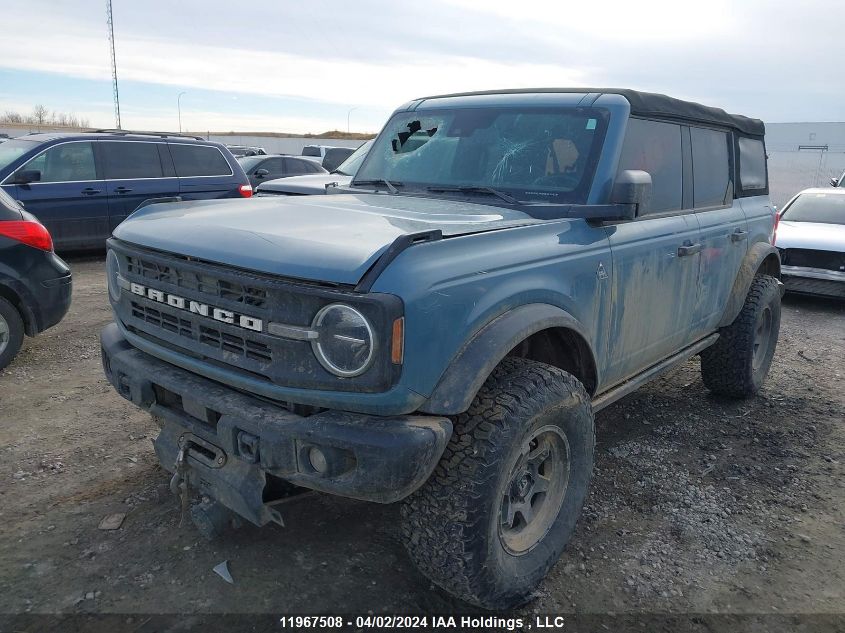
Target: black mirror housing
(26,176)
(260,173)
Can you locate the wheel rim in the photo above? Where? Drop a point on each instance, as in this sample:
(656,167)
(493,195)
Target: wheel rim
(4,334)
(535,490)
(762,336)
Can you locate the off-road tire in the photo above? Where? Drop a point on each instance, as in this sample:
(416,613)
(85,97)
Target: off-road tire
(11,332)
(451,525)
(727,366)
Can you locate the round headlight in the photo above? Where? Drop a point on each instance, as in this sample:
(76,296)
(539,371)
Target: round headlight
(345,342)
(112,274)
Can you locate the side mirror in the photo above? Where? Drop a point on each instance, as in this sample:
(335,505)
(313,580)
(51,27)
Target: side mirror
(632,187)
(26,176)
(260,173)
(834,182)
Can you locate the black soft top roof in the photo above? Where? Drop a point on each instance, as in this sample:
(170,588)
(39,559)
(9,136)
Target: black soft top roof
(650,104)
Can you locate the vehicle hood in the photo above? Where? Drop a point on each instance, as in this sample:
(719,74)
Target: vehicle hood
(309,185)
(320,238)
(811,235)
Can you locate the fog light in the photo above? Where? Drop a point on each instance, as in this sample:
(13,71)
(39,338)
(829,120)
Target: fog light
(318,460)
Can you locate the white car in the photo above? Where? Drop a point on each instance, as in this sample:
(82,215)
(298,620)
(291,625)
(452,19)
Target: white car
(811,240)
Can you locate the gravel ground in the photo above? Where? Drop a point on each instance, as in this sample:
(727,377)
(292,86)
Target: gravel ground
(698,505)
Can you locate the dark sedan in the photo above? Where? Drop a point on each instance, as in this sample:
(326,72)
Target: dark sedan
(35,284)
(262,168)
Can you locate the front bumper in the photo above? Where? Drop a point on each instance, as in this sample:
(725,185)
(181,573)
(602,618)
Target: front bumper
(237,443)
(817,281)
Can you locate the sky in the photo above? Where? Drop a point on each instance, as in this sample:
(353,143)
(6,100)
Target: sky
(294,66)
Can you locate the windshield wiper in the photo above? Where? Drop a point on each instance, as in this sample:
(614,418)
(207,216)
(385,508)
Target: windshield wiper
(473,189)
(339,172)
(391,186)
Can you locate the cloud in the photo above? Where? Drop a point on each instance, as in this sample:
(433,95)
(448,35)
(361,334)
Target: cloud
(776,62)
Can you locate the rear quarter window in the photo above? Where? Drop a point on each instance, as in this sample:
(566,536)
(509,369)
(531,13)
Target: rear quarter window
(752,165)
(198,160)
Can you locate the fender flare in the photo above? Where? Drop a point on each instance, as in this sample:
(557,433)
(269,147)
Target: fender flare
(754,259)
(471,366)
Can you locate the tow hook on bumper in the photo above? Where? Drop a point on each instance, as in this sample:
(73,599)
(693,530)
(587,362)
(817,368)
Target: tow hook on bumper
(252,455)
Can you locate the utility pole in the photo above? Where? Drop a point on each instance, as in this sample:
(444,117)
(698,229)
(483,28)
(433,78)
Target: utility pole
(110,23)
(179,107)
(347,117)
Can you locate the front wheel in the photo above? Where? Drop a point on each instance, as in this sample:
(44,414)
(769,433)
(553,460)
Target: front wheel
(502,503)
(738,362)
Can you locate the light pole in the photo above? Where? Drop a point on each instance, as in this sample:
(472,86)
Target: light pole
(179,107)
(347,118)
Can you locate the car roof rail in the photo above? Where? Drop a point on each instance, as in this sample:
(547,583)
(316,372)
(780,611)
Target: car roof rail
(117,132)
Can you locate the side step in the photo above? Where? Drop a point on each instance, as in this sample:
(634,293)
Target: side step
(632,384)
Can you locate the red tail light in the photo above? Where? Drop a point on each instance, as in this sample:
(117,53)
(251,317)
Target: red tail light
(245,191)
(28,232)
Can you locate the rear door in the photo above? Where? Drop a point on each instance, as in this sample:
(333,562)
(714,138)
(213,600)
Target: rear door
(70,199)
(134,173)
(724,230)
(203,172)
(656,258)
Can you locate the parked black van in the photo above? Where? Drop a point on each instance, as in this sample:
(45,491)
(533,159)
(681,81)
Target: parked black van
(82,185)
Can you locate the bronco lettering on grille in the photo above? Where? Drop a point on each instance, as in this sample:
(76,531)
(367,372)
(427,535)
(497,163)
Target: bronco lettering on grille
(195,307)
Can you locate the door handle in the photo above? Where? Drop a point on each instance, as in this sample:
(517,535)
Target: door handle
(738,235)
(90,191)
(122,190)
(688,249)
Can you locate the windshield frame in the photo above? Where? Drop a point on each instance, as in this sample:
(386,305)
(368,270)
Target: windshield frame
(525,195)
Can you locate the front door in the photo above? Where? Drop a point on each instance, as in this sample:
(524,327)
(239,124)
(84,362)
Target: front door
(69,199)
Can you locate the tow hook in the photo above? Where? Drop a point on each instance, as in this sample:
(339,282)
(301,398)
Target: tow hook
(179,482)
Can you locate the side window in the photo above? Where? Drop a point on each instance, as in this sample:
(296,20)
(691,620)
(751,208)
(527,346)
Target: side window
(273,165)
(655,147)
(198,160)
(65,163)
(710,166)
(752,164)
(123,160)
(295,167)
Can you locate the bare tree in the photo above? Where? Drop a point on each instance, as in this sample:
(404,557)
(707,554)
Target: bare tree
(40,114)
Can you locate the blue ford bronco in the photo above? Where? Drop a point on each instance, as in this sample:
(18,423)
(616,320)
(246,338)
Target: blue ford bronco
(441,332)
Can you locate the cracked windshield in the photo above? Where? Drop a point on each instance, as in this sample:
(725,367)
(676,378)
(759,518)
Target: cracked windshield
(547,155)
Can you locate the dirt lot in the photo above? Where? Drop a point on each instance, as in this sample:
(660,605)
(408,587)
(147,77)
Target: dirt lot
(698,504)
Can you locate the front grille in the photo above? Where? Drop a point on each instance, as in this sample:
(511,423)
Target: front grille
(191,331)
(200,282)
(235,344)
(828,260)
(205,334)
